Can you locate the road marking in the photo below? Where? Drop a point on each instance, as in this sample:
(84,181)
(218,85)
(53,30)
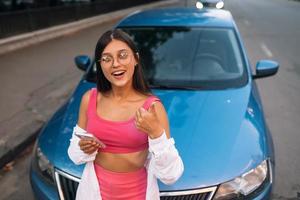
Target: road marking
(266,50)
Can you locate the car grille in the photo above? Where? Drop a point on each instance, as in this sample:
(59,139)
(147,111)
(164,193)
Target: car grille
(203,196)
(67,186)
(197,194)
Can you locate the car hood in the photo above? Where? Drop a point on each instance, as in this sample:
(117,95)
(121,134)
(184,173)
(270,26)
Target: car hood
(215,137)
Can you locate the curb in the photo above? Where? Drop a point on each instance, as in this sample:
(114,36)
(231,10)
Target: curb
(27,39)
(19,138)
(11,154)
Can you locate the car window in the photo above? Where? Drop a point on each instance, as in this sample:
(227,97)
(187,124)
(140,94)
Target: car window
(200,58)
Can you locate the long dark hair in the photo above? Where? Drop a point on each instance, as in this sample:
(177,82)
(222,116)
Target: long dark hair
(103,85)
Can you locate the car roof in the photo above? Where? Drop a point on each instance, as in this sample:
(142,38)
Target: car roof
(187,17)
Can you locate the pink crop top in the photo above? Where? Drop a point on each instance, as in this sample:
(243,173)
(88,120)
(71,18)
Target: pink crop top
(118,136)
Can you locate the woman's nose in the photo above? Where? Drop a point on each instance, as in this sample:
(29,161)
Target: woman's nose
(115,63)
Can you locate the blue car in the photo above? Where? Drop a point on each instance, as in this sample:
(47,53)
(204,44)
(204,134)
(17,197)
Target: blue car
(195,62)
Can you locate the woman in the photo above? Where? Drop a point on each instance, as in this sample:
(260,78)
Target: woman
(132,146)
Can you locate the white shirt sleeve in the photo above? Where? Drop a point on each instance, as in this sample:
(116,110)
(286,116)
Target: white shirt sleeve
(168,165)
(74,151)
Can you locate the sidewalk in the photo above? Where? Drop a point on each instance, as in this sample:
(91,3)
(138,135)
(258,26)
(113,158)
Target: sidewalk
(31,87)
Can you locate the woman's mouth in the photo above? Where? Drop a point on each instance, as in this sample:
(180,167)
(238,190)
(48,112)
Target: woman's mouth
(118,74)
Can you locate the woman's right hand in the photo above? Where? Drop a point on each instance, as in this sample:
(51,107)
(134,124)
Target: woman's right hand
(89,146)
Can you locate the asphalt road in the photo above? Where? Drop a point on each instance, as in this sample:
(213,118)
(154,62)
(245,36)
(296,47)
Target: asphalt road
(270,30)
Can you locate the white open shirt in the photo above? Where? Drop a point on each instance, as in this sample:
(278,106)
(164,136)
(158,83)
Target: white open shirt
(163,162)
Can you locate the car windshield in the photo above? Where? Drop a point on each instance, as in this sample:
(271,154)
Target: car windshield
(189,58)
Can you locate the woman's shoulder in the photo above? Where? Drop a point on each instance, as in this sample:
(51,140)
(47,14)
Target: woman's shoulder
(86,96)
(151,99)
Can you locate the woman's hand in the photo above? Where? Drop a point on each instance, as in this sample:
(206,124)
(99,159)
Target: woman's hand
(148,122)
(89,146)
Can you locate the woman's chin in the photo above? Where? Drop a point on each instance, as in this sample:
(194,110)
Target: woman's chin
(120,83)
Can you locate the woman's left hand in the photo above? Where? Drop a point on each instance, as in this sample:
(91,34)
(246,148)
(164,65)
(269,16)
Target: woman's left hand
(147,121)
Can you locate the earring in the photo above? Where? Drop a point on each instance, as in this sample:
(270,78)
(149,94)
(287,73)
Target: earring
(136,65)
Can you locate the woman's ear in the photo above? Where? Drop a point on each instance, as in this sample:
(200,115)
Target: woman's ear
(138,58)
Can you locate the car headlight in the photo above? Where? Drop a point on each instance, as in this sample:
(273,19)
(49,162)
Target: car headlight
(244,184)
(43,165)
(220,5)
(199,5)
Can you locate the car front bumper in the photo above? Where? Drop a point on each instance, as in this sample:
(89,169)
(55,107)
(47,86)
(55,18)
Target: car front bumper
(45,191)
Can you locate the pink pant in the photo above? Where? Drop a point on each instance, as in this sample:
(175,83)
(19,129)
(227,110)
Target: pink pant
(122,186)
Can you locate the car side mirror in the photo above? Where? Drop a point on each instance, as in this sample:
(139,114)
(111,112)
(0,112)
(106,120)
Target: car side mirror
(265,68)
(82,62)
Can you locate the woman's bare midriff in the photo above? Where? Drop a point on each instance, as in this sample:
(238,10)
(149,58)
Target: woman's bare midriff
(122,162)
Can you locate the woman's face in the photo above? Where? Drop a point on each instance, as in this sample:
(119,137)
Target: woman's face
(117,63)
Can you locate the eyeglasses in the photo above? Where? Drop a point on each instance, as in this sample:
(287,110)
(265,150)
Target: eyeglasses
(123,57)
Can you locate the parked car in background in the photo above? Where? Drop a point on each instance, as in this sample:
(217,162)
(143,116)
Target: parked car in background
(197,65)
(219,4)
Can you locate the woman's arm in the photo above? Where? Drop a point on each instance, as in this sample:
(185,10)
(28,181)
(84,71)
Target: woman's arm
(168,166)
(82,116)
(167,163)
(81,151)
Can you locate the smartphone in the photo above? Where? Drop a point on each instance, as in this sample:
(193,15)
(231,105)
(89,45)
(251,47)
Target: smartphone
(88,136)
